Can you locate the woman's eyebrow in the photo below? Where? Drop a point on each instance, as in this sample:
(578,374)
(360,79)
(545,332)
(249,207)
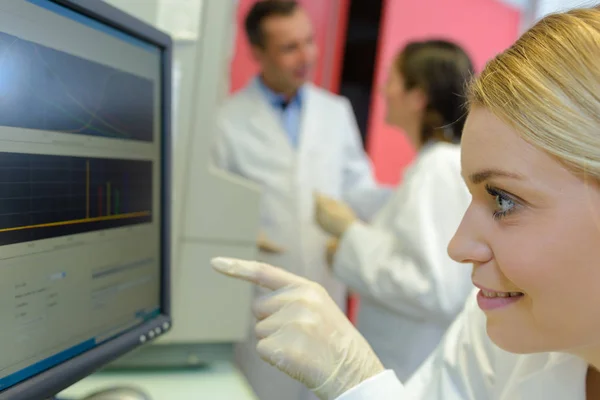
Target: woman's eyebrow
(483,175)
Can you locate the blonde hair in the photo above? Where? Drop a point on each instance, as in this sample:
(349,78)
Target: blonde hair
(547,87)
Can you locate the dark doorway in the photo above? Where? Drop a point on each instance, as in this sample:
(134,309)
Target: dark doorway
(359,58)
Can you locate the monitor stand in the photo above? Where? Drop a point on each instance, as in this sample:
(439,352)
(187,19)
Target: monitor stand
(115,393)
(119,393)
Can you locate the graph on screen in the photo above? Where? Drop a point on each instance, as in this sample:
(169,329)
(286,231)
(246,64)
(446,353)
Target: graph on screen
(45,196)
(46,89)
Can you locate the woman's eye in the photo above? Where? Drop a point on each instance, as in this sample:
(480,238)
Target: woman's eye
(504,204)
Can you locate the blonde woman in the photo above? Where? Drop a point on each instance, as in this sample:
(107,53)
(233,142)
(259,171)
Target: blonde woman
(531,160)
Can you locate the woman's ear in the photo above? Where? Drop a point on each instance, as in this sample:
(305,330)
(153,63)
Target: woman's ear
(418,100)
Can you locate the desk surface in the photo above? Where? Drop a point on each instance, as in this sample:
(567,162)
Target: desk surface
(221,381)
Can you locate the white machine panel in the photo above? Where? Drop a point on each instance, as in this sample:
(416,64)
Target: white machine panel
(205,320)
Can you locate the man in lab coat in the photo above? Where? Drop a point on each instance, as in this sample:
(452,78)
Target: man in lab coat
(294,139)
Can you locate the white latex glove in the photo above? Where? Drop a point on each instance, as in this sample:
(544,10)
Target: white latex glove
(267,246)
(332,247)
(302,332)
(333,216)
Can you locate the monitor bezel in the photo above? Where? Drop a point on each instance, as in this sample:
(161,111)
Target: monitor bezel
(50,382)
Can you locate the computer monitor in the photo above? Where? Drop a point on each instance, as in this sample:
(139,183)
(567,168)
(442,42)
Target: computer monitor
(84,190)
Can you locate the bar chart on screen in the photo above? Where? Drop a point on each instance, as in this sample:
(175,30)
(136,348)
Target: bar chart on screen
(46,196)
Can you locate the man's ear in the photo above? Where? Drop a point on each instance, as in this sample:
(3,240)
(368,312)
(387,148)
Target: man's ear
(257,52)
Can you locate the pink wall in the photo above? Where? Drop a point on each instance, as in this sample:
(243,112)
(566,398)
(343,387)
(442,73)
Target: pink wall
(483,27)
(330,19)
(243,68)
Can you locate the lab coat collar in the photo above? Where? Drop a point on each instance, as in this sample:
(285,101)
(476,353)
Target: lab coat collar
(533,374)
(276,99)
(265,123)
(427,146)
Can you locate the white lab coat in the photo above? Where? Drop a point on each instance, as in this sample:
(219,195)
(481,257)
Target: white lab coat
(410,288)
(468,366)
(251,142)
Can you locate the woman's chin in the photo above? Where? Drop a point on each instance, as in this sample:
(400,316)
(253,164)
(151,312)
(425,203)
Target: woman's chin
(517,341)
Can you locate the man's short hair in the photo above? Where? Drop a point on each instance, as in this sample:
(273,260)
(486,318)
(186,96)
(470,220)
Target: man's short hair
(260,11)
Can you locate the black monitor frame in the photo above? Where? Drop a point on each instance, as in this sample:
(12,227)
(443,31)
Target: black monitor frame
(50,382)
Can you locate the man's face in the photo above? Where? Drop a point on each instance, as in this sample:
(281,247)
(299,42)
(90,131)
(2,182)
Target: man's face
(289,52)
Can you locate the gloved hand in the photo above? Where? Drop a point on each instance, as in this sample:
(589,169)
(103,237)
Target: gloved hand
(267,246)
(302,332)
(333,216)
(332,246)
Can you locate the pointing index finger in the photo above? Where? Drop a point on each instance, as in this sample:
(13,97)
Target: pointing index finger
(261,274)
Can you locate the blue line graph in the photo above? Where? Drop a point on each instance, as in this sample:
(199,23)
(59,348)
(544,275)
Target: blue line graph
(46,89)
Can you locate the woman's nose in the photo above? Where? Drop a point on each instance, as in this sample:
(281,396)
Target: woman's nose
(467,245)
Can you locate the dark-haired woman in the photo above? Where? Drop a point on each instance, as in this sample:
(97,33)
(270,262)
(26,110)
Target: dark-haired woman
(410,288)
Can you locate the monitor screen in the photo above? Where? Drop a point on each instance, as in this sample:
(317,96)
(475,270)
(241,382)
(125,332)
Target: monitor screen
(82,164)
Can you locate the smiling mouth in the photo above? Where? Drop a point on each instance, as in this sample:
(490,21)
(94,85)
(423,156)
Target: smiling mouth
(489,300)
(490,295)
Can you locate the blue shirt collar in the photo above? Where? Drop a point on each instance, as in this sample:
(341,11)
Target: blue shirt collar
(276,99)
